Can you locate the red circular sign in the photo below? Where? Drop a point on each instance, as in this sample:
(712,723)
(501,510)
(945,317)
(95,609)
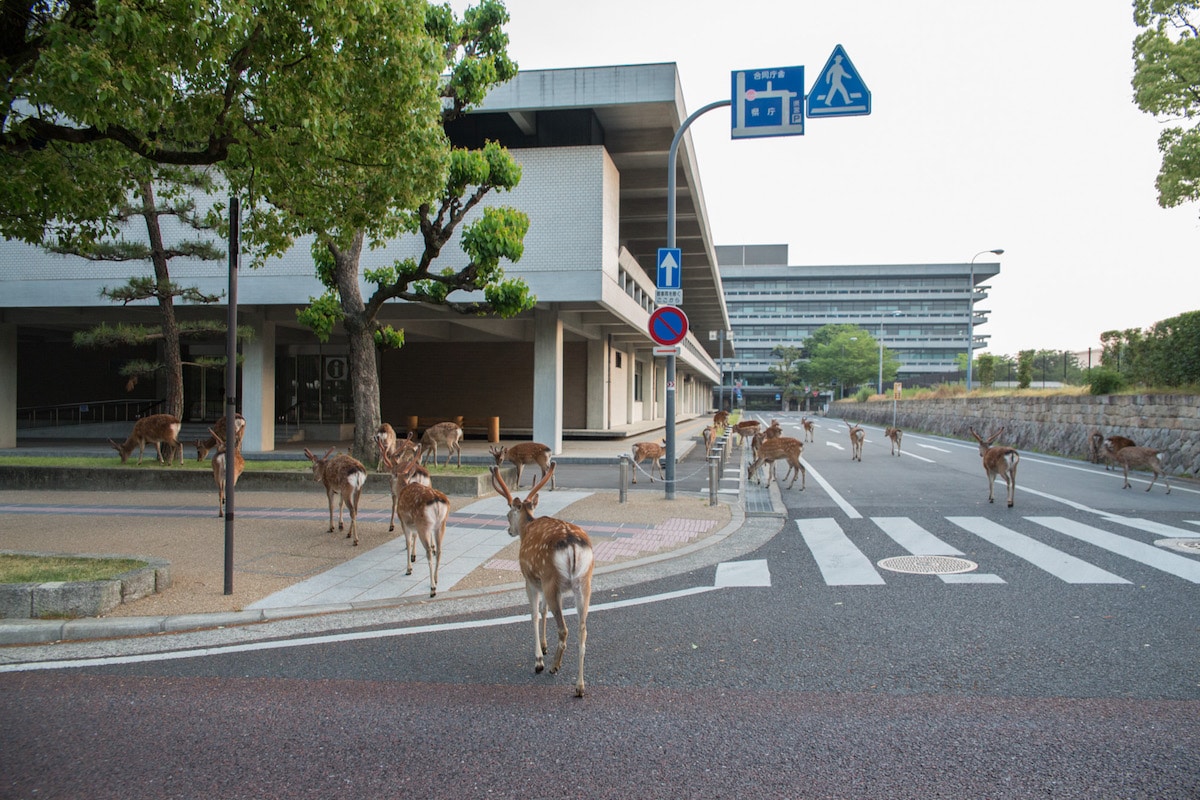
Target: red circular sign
(668,325)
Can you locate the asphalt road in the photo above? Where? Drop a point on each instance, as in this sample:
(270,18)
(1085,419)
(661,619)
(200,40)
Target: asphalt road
(1064,665)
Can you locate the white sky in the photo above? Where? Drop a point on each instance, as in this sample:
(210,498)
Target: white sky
(993,125)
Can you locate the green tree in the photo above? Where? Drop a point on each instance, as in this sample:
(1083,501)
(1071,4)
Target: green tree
(788,374)
(1166,83)
(841,356)
(1025,361)
(985,369)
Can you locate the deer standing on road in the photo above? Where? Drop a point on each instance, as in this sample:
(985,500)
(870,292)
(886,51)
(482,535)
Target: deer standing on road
(1000,461)
(895,434)
(1132,456)
(219,470)
(652,450)
(446,434)
(344,476)
(809,435)
(785,447)
(156,429)
(857,437)
(522,454)
(555,557)
(746,429)
(1105,449)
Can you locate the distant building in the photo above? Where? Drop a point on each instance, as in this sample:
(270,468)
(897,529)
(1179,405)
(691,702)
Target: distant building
(918,311)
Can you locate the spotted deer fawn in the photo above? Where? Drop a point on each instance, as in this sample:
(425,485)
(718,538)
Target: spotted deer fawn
(809,434)
(857,437)
(217,433)
(1133,456)
(445,434)
(555,557)
(745,429)
(219,464)
(653,451)
(998,461)
(895,435)
(156,429)
(344,476)
(785,447)
(523,454)
(422,511)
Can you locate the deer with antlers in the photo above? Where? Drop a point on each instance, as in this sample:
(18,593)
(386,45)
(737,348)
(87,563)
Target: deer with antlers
(217,433)
(446,434)
(522,454)
(344,476)
(769,450)
(385,440)
(998,461)
(156,429)
(219,464)
(857,437)
(556,557)
(895,435)
(653,451)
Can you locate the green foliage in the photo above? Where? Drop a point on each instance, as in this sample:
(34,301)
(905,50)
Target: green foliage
(864,394)
(321,314)
(985,369)
(1166,83)
(1165,355)
(843,355)
(1102,380)
(1025,361)
(788,373)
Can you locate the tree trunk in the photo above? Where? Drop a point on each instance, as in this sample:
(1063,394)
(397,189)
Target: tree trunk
(172,355)
(360,332)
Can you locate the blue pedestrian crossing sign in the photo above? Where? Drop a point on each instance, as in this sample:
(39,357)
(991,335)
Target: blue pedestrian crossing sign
(767,102)
(839,90)
(669,268)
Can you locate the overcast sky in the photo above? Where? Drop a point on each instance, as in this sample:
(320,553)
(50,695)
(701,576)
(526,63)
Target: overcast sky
(993,125)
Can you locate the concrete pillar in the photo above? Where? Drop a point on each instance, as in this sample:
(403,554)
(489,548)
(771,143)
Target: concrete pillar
(548,379)
(258,384)
(659,410)
(8,385)
(598,377)
(630,385)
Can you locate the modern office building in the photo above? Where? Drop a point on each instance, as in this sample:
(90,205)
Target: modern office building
(593,144)
(919,311)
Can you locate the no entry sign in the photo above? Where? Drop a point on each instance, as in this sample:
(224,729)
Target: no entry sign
(668,325)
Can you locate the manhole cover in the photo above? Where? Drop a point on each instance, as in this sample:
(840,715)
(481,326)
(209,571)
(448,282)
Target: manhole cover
(1189,546)
(928,565)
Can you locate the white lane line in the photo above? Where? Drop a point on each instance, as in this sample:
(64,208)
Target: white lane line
(840,561)
(848,509)
(931,447)
(913,538)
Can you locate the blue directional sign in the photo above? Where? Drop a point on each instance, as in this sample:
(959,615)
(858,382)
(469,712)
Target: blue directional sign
(768,102)
(670,268)
(839,90)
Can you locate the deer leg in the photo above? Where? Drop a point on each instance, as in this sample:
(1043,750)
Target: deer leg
(520,469)
(554,600)
(329,495)
(353,508)
(410,544)
(583,596)
(539,641)
(1126,486)
(991,487)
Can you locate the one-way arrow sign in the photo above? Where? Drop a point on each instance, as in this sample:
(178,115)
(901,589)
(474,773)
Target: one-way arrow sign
(669,269)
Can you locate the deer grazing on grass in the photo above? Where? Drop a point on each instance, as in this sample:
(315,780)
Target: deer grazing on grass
(422,511)
(652,450)
(857,437)
(522,454)
(1133,456)
(1000,461)
(219,468)
(895,434)
(446,434)
(556,557)
(156,429)
(1107,454)
(785,447)
(217,433)
(344,476)
(809,434)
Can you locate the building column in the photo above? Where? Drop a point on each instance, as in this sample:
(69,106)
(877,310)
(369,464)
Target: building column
(630,385)
(660,388)
(548,379)
(258,384)
(598,377)
(8,385)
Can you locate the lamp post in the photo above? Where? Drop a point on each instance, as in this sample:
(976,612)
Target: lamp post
(894,314)
(971,311)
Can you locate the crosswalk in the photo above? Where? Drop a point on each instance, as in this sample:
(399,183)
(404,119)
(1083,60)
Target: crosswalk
(843,561)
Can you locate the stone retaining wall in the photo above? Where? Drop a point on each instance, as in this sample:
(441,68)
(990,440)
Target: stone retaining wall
(73,599)
(1060,425)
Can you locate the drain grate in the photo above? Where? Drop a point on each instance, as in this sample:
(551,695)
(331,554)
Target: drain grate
(928,565)
(1189,546)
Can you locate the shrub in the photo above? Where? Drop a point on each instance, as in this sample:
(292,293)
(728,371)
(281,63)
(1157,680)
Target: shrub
(1105,381)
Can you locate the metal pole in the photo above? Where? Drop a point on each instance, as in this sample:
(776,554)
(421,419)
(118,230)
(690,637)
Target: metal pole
(671,185)
(623,493)
(714,464)
(971,311)
(880,390)
(231,389)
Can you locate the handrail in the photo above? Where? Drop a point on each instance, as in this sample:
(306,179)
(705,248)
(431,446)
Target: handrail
(89,411)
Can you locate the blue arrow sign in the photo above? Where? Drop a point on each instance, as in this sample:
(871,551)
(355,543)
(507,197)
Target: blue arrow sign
(670,268)
(839,90)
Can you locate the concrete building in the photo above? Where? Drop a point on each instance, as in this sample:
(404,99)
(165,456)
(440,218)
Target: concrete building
(593,145)
(918,311)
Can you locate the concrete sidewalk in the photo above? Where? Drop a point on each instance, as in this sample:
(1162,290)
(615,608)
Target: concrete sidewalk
(473,564)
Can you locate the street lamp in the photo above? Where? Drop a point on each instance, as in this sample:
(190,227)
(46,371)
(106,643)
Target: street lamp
(971,312)
(894,314)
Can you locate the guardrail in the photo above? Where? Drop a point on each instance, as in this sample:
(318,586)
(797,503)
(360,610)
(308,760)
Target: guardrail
(91,411)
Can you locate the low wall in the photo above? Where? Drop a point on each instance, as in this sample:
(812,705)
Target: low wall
(1060,425)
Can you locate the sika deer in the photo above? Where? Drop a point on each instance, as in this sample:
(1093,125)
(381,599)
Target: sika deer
(1000,461)
(217,434)
(857,437)
(746,429)
(423,512)
(1133,456)
(1107,449)
(652,450)
(556,557)
(156,429)
(809,435)
(447,434)
(784,447)
(344,476)
(403,473)
(385,439)
(220,473)
(895,434)
(522,454)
